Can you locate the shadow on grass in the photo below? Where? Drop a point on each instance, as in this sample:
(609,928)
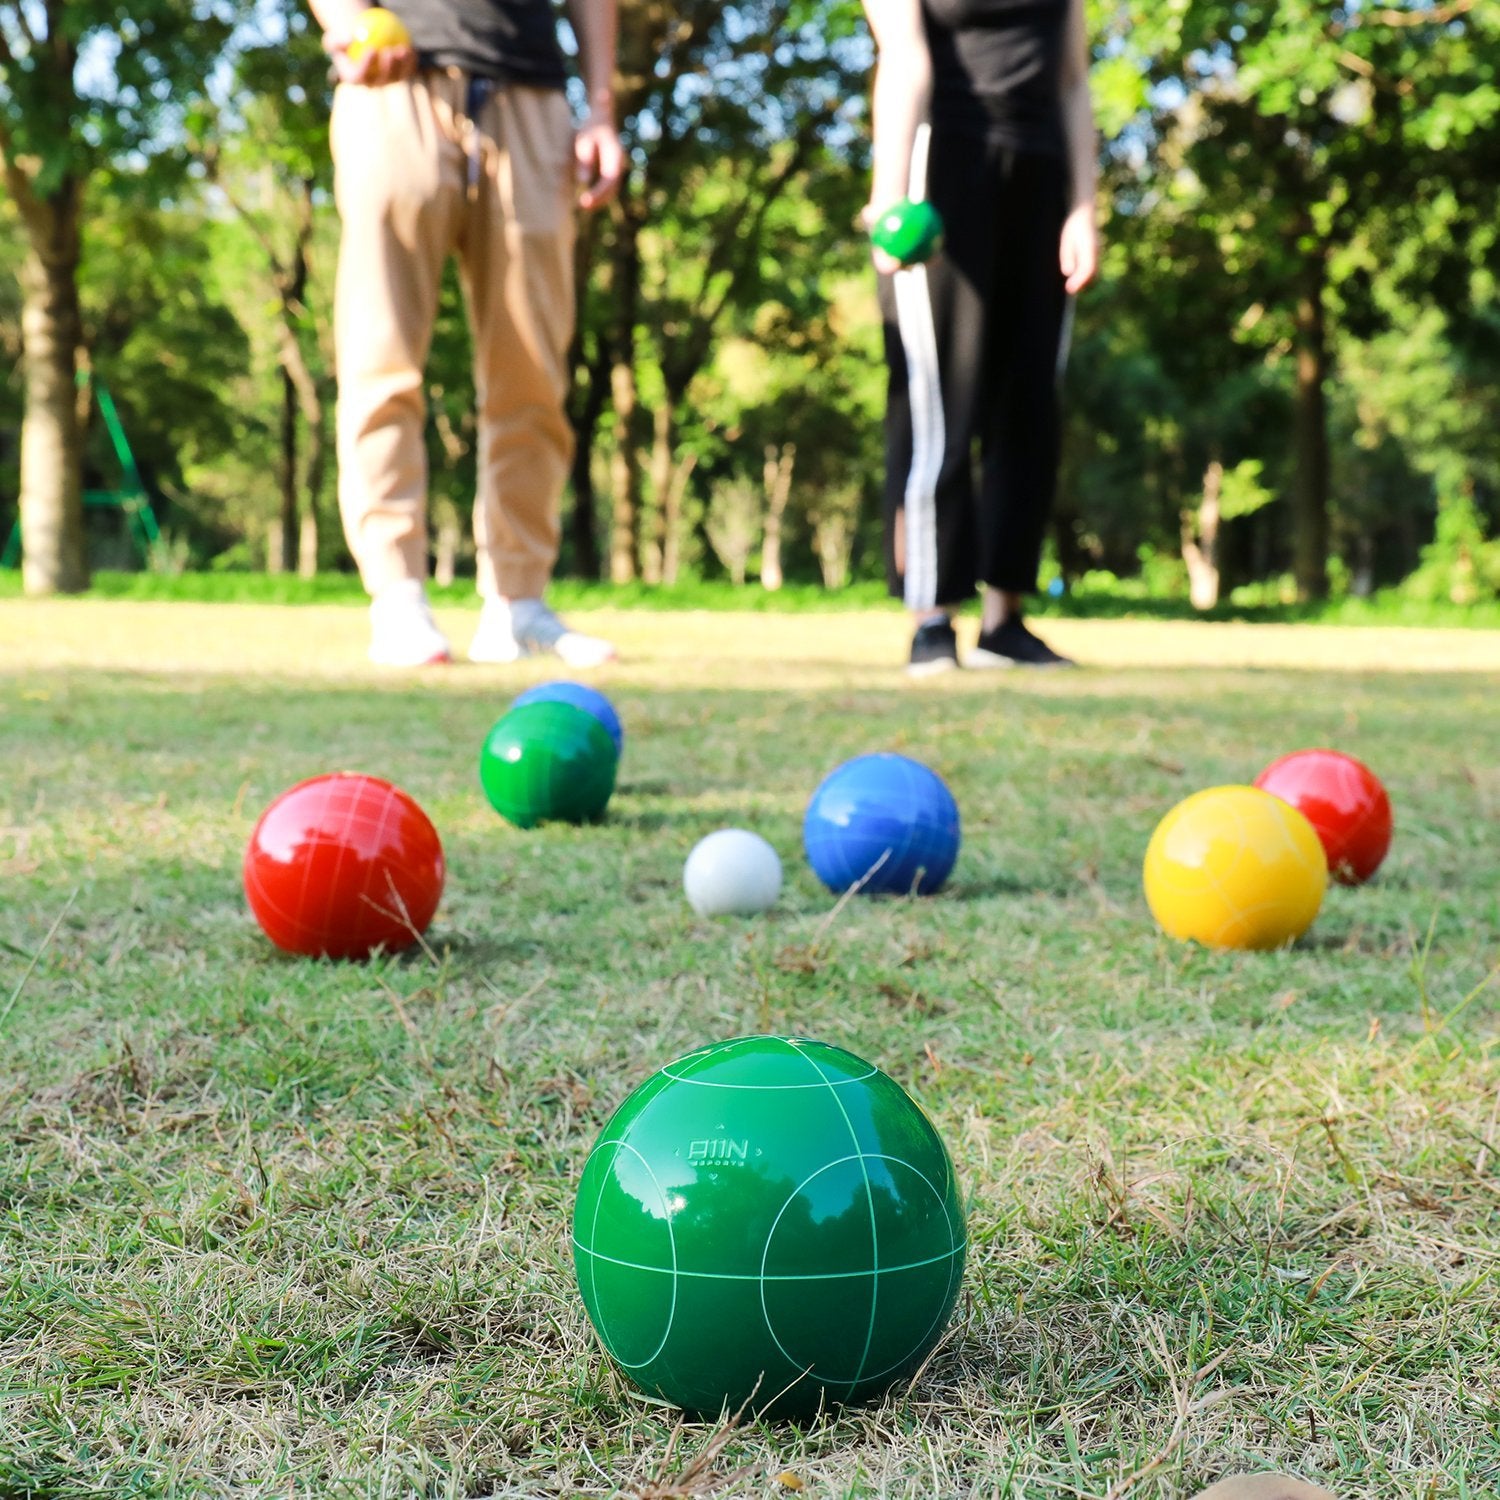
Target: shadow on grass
(987,887)
(477,953)
(651,820)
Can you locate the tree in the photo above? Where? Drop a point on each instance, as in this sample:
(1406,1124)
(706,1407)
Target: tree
(1307,130)
(266,150)
(172,354)
(739,128)
(59,123)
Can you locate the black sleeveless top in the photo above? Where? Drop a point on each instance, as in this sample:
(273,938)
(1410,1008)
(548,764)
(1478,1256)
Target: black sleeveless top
(997,69)
(514,41)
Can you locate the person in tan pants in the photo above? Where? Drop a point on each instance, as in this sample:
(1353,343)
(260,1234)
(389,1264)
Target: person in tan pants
(463,143)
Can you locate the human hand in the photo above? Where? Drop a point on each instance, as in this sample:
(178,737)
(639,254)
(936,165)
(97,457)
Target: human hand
(885,263)
(599,159)
(1078,252)
(374,66)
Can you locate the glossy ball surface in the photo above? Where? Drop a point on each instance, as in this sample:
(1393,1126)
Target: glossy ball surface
(377,28)
(1235,867)
(341,865)
(1345,803)
(548,762)
(909,231)
(764,1207)
(885,820)
(590,700)
(732,873)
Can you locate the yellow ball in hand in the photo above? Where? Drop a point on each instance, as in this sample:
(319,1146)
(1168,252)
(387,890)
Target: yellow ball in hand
(1235,867)
(375,29)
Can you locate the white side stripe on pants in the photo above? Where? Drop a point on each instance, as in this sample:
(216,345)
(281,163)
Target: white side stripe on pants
(1064,341)
(924,393)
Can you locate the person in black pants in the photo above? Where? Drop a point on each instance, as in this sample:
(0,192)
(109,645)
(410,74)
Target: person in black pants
(981,107)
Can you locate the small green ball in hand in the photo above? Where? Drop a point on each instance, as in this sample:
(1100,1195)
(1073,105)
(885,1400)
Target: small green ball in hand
(909,232)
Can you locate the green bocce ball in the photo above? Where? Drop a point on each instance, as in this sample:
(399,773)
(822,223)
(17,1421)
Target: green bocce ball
(909,232)
(770,1220)
(548,762)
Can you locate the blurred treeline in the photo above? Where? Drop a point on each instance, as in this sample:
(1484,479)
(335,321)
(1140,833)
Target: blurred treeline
(1287,379)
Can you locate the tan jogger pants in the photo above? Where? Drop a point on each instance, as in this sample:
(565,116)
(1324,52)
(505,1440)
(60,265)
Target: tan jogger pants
(415,179)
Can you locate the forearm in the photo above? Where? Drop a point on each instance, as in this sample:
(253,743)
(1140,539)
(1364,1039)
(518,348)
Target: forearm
(1082,141)
(596,24)
(899,101)
(1078,110)
(338,16)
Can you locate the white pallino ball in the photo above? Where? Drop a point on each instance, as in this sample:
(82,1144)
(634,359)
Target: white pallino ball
(732,873)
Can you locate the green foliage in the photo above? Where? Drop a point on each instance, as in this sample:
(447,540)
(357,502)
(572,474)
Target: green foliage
(1461,564)
(99,81)
(1238,141)
(1242,493)
(172,352)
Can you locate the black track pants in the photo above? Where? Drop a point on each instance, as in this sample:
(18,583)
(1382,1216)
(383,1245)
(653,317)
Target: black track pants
(975,341)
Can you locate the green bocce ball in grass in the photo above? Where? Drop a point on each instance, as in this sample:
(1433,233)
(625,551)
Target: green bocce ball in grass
(548,762)
(768,1220)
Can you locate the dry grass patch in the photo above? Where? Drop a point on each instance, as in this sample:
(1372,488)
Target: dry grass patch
(280,1228)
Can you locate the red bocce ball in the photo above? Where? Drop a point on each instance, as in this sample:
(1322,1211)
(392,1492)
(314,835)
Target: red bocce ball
(341,865)
(1343,799)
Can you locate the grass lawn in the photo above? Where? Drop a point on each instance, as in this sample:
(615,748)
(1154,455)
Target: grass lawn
(284,1228)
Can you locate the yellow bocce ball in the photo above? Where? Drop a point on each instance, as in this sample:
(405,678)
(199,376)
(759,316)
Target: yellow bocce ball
(1235,867)
(377,28)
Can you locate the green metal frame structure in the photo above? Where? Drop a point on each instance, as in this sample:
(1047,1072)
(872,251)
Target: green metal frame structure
(130,497)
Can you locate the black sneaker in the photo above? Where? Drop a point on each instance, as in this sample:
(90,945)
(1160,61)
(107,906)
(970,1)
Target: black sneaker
(1011,644)
(934,648)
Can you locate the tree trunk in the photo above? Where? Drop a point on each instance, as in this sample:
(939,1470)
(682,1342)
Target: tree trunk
(445,553)
(656,541)
(301,395)
(307,543)
(778,480)
(1200,540)
(1072,561)
(312,489)
(1310,490)
(590,382)
(583,523)
(671,560)
(624,476)
(625,462)
(835,523)
(283,559)
(53,553)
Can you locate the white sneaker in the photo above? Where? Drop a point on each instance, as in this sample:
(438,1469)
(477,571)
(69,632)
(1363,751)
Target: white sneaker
(512,628)
(402,630)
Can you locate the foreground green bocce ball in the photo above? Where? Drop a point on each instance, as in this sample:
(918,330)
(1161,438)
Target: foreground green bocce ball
(909,231)
(770,1220)
(548,762)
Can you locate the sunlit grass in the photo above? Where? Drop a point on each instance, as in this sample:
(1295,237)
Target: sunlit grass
(280,1227)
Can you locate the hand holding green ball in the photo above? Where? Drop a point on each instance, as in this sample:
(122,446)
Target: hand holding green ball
(910,231)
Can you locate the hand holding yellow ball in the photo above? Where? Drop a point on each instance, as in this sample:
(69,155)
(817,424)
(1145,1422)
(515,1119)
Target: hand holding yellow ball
(377,28)
(376,50)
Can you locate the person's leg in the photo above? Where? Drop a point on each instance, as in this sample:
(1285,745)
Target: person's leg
(516,258)
(934,646)
(1021,423)
(934,332)
(396,183)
